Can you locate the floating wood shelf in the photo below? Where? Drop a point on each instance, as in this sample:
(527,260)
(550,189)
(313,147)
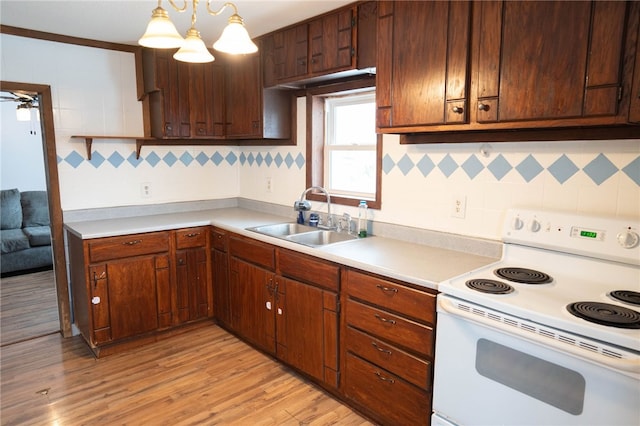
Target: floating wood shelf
(148,140)
(88,140)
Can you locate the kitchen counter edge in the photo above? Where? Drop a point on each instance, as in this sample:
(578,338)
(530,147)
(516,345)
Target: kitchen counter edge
(418,264)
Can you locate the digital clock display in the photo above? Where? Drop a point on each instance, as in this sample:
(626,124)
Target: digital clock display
(588,234)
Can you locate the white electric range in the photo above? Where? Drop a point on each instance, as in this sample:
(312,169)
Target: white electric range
(549,334)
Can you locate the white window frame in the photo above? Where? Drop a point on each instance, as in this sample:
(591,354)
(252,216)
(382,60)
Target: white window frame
(331,102)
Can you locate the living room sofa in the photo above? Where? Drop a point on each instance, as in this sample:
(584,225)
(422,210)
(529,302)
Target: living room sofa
(25,231)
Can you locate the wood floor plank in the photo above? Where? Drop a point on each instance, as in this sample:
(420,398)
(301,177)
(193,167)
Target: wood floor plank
(205,376)
(28,307)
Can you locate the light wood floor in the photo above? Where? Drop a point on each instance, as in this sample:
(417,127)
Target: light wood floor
(205,376)
(28,307)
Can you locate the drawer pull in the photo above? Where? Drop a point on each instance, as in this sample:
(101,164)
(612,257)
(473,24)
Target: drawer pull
(390,321)
(387,289)
(132,243)
(385,379)
(191,235)
(384,351)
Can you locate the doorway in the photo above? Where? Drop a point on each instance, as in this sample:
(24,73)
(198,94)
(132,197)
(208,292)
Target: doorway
(45,108)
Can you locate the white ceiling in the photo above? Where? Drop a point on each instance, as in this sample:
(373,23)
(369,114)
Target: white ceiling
(124,21)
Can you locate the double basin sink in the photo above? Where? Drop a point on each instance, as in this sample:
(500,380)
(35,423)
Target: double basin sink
(303,234)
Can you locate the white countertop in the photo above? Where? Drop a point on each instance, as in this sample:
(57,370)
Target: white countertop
(413,263)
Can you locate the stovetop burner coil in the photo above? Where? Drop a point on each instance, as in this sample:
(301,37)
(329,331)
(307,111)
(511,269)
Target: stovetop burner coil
(489,286)
(523,275)
(627,296)
(606,314)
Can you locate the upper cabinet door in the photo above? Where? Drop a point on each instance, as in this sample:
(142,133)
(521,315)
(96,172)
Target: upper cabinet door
(423,63)
(542,60)
(243,97)
(331,42)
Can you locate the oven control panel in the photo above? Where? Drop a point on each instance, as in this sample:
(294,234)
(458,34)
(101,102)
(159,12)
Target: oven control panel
(601,237)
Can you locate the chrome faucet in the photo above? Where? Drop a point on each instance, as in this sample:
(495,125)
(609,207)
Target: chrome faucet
(303,205)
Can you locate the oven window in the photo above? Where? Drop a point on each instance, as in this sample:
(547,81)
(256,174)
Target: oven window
(540,379)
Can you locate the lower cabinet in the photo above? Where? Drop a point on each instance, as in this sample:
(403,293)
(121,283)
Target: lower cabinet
(280,304)
(194,298)
(220,276)
(388,348)
(127,290)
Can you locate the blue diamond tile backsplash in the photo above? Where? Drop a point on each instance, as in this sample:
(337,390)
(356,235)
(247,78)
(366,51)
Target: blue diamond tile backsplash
(599,169)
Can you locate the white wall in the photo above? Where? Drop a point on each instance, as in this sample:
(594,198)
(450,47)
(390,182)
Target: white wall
(21,151)
(94,93)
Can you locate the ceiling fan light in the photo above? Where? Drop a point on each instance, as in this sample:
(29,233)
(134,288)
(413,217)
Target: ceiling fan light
(193,49)
(235,38)
(161,33)
(23,112)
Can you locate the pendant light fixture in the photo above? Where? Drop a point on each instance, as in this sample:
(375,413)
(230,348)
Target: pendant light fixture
(161,34)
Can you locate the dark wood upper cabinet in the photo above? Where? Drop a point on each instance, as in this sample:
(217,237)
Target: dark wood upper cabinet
(331,42)
(251,111)
(321,48)
(184,99)
(423,64)
(556,60)
(215,101)
(504,65)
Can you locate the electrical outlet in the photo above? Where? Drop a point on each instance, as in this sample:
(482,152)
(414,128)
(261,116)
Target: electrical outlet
(269,184)
(459,206)
(145,189)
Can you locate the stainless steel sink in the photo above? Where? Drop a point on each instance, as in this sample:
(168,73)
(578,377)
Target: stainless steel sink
(282,229)
(303,234)
(321,238)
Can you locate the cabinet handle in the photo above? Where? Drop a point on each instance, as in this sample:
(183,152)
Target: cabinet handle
(193,234)
(96,278)
(483,107)
(384,351)
(384,379)
(458,110)
(132,243)
(387,289)
(390,321)
(181,261)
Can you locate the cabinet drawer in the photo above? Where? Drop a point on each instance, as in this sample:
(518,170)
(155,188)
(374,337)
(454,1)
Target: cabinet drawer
(392,328)
(410,368)
(392,399)
(127,246)
(191,237)
(253,251)
(396,297)
(219,239)
(308,269)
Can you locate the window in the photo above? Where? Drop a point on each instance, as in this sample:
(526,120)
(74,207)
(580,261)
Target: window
(350,145)
(344,154)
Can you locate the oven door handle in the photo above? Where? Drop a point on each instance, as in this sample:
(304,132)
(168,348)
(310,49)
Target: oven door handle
(629,365)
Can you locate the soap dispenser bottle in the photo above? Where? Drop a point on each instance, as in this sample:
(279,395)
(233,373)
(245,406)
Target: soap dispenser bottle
(362,219)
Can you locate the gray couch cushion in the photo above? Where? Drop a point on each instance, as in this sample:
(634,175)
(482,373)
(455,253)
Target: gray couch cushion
(38,235)
(10,209)
(35,208)
(13,240)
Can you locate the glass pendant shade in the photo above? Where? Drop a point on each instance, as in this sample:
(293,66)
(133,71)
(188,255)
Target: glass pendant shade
(193,49)
(23,113)
(235,38)
(161,33)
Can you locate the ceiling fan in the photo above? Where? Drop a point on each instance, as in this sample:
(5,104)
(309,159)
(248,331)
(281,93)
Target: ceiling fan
(25,103)
(22,98)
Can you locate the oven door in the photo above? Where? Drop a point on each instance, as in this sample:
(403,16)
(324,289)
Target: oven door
(485,375)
